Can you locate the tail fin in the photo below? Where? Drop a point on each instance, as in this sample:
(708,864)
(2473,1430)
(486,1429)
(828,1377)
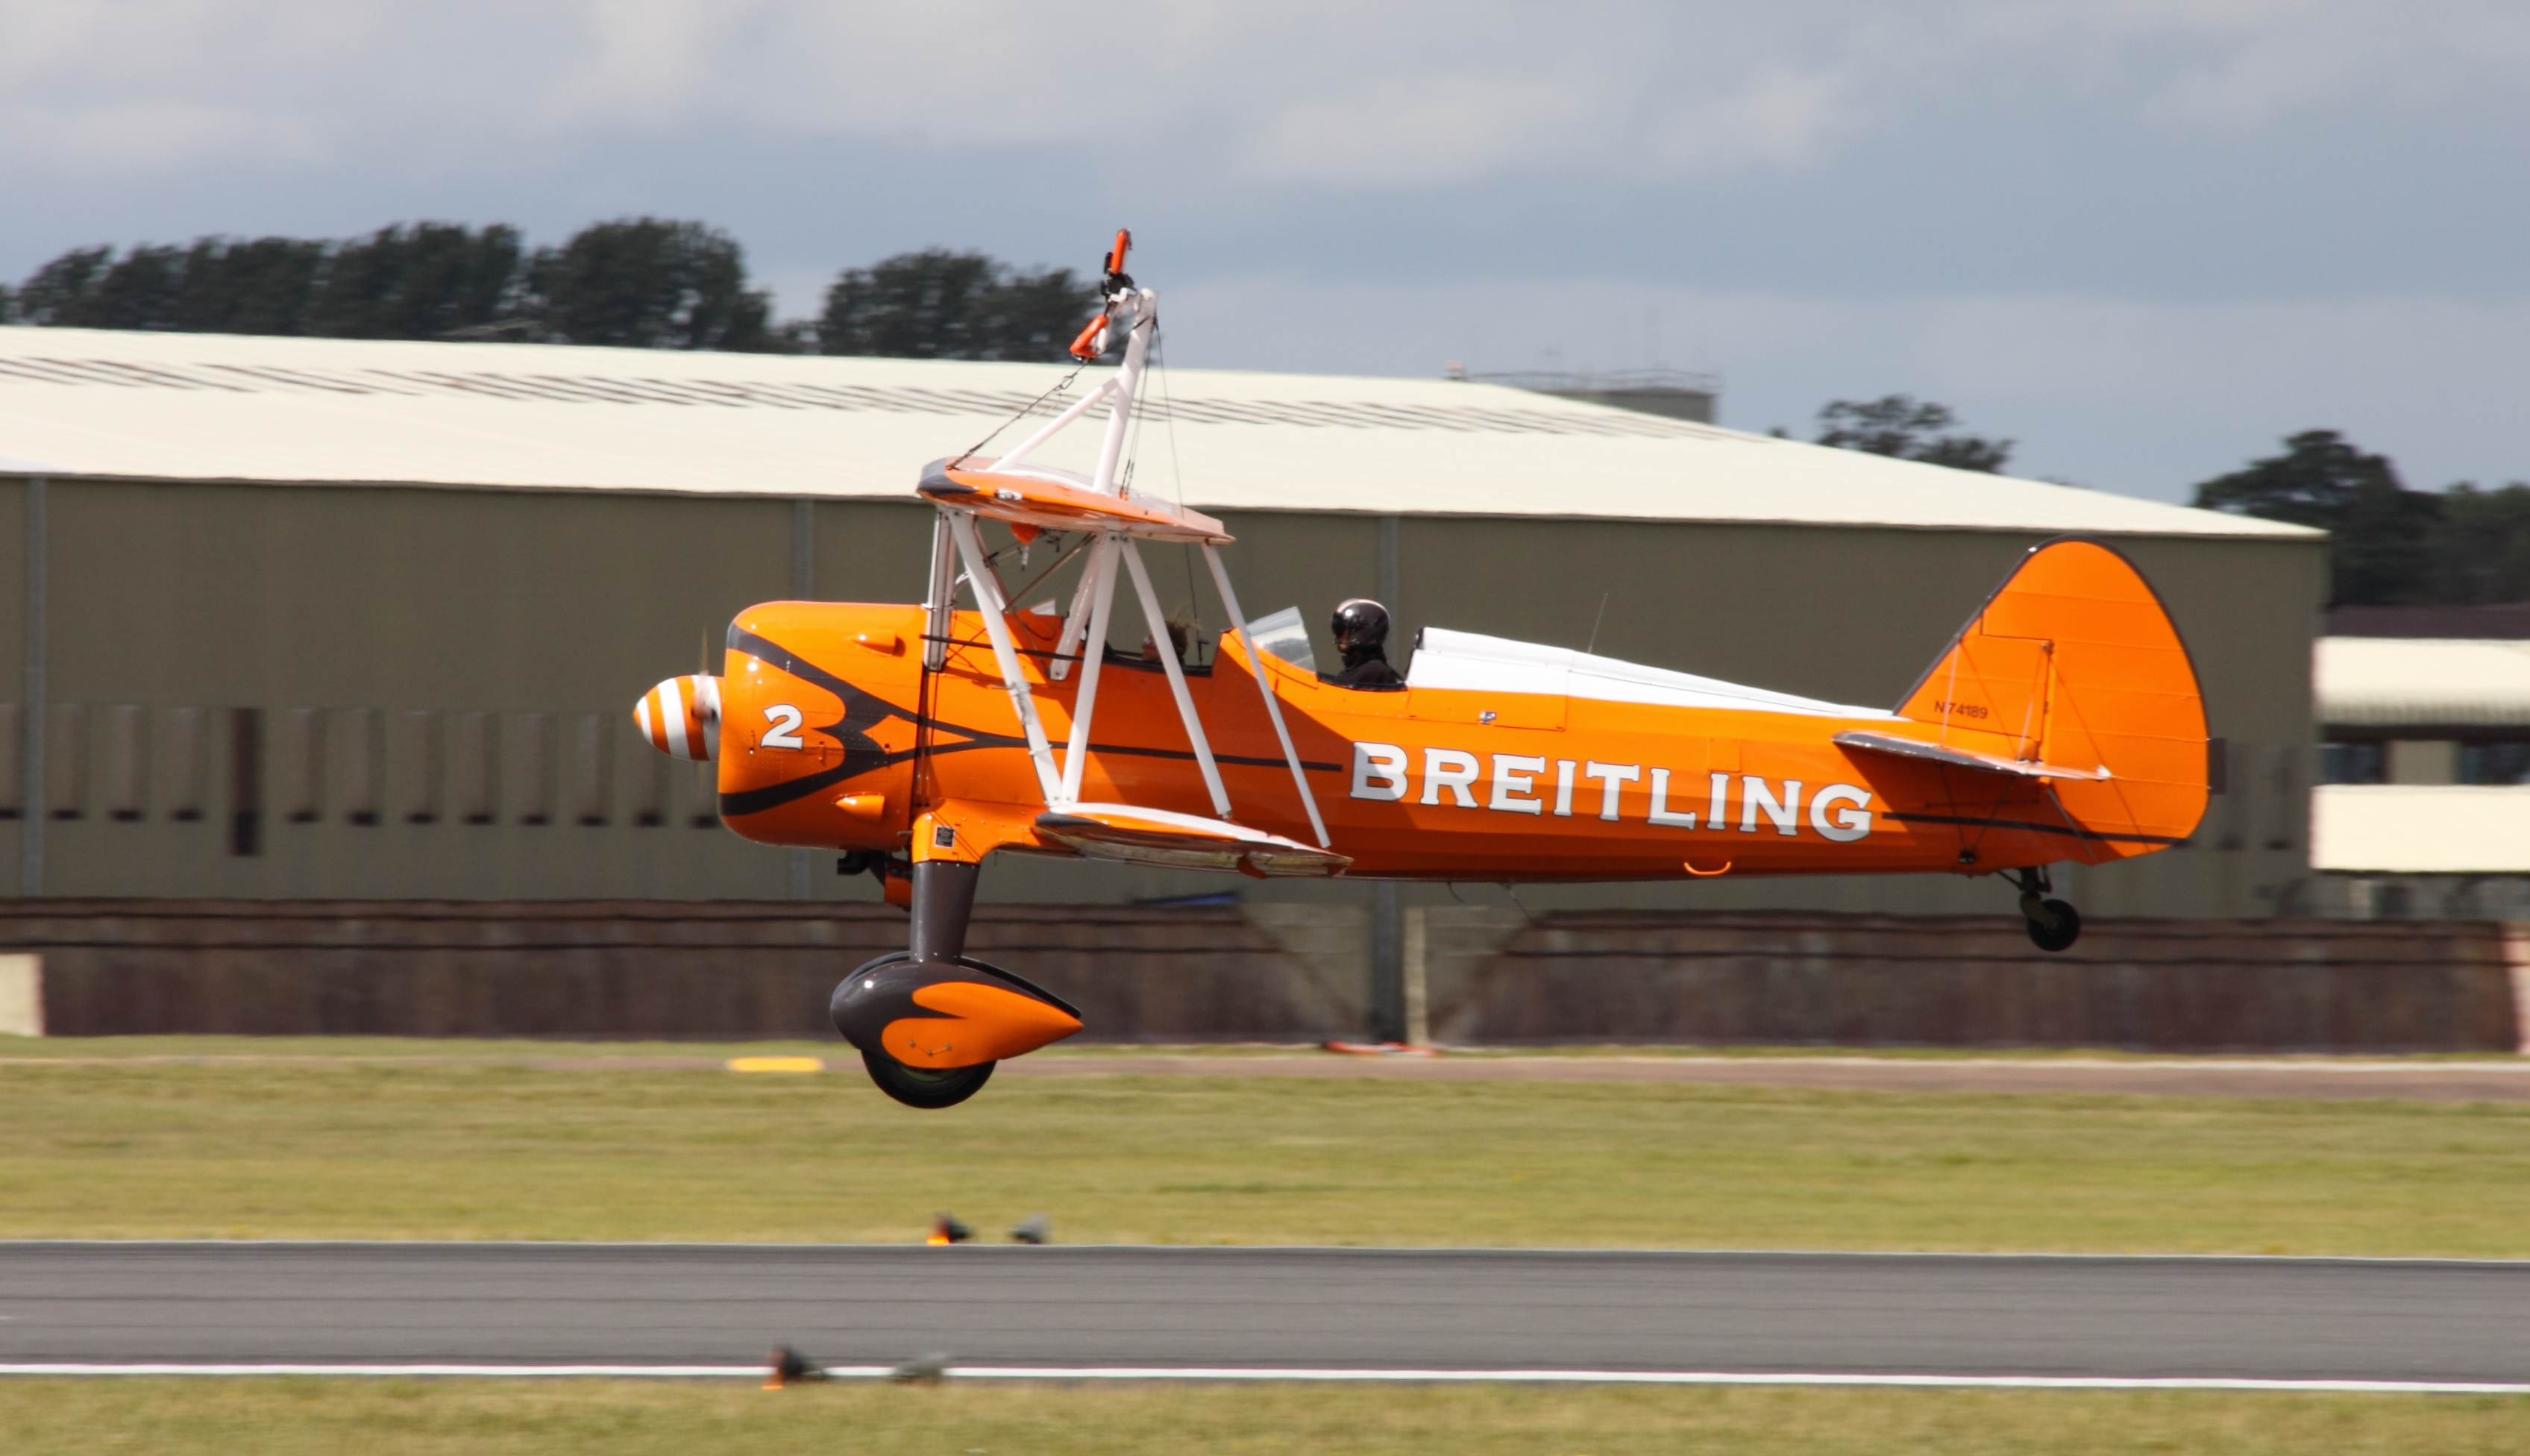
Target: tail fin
(2074,662)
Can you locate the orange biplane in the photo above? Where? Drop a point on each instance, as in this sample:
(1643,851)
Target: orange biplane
(2064,722)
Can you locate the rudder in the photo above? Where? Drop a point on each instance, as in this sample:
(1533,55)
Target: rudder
(2074,661)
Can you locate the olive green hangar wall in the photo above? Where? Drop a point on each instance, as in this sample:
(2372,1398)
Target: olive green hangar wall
(393,691)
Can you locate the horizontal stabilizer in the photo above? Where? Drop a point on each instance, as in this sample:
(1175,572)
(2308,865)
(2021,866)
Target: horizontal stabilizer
(1181,841)
(1908,748)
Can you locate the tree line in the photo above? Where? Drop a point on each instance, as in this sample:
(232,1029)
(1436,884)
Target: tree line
(644,283)
(1908,428)
(2391,547)
(658,283)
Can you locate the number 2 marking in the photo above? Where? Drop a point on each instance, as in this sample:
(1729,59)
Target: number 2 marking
(785,732)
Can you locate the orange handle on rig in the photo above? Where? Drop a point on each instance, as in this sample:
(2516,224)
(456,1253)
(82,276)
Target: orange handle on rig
(1090,344)
(1116,254)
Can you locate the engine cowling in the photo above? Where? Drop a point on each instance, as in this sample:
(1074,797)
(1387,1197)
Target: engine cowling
(681,718)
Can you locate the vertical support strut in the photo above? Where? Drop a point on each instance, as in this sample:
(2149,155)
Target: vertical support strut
(1387,962)
(944,900)
(988,603)
(1099,579)
(1265,686)
(941,599)
(1177,678)
(1075,621)
(32,720)
(1137,348)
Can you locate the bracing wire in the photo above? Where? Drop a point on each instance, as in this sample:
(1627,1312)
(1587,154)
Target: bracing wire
(1024,411)
(1133,445)
(1177,472)
(1040,577)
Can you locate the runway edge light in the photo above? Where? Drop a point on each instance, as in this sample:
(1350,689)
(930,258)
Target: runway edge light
(790,1368)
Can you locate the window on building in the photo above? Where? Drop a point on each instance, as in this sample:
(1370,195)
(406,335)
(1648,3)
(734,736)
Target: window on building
(2495,762)
(2352,763)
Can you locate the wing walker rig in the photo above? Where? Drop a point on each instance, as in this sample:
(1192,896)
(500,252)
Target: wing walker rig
(2062,723)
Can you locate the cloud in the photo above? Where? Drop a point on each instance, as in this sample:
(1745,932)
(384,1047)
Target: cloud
(1309,93)
(641,62)
(148,136)
(1781,118)
(1419,130)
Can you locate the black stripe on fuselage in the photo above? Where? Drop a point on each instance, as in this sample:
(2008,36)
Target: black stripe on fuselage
(856,764)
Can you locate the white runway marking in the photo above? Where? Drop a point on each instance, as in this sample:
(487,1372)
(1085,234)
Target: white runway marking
(1250,1372)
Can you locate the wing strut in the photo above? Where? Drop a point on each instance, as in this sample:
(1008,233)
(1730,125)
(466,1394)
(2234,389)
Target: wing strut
(1036,498)
(989,606)
(1098,582)
(1075,622)
(1177,676)
(1265,686)
(942,598)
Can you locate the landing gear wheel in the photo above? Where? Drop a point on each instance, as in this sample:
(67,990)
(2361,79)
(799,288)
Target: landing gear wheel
(924,1087)
(2067,927)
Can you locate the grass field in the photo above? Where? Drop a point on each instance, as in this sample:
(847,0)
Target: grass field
(528,1049)
(284,1418)
(497,1151)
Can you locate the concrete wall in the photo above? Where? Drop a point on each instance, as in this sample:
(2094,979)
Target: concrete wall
(2420,897)
(526,620)
(644,969)
(1213,973)
(1884,980)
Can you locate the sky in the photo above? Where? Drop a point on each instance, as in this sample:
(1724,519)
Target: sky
(2144,240)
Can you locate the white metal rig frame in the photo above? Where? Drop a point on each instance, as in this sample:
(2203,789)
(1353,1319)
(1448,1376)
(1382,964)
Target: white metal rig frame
(957,544)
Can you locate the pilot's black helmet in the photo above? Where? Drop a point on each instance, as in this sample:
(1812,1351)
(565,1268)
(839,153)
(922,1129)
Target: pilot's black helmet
(1360,625)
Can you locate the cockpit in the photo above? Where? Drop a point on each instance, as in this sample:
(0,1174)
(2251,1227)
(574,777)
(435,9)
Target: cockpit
(1360,627)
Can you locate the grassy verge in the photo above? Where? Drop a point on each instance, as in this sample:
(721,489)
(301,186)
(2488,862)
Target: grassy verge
(427,1048)
(521,1048)
(499,1150)
(279,1418)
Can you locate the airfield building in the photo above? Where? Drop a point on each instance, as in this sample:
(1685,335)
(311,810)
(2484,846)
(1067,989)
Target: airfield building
(333,619)
(2423,805)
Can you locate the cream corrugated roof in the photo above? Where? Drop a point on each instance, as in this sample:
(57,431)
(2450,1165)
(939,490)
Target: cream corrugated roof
(2420,829)
(226,407)
(2391,681)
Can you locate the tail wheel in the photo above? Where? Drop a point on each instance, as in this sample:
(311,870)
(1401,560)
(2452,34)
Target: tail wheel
(925,1086)
(2055,927)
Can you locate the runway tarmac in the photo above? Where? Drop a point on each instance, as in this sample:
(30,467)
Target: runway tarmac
(708,1308)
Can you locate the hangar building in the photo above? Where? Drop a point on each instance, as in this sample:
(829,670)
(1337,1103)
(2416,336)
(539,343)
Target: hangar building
(320,618)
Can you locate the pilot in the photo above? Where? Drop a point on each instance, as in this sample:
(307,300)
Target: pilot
(1177,643)
(1360,628)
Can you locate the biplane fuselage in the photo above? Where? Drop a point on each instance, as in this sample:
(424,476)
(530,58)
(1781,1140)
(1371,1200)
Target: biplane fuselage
(833,736)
